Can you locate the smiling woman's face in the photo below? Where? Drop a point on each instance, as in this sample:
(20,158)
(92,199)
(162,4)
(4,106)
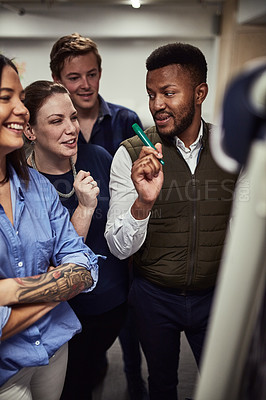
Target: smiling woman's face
(57,128)
(13,114)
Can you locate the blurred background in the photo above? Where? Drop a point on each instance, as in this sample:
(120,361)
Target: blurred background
(229,32)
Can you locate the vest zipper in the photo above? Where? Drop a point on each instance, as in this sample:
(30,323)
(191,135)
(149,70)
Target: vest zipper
(193,233)
(194,219)
(194,224)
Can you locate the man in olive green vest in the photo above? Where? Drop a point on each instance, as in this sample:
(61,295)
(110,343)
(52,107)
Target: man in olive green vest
(172,218)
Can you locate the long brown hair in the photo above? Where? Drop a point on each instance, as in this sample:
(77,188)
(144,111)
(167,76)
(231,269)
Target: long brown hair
(17,157)
(37,93)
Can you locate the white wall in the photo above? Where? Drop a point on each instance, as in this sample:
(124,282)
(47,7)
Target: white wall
(251,11)
(41,21)
(125,38)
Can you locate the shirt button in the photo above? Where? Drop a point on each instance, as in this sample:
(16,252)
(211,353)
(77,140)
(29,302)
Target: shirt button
(20,264)
(37,342)
(17,233)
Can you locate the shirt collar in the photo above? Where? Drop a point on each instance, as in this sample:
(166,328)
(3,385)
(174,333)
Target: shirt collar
(16,187)
(195,145)
(104,109)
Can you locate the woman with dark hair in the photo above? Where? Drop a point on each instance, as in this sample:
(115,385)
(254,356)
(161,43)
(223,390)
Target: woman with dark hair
(36,236)
(52,134)
(17,157)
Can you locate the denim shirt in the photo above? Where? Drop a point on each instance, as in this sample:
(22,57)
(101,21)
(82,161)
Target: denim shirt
(42,235)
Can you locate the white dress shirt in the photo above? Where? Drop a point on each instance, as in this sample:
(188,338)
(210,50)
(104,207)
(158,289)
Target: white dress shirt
(125,234)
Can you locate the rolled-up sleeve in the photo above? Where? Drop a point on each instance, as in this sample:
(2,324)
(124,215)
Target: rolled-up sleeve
(88,260)
(124,234)
(69,247)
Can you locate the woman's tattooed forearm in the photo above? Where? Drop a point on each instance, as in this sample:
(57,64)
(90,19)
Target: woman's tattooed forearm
(60,284)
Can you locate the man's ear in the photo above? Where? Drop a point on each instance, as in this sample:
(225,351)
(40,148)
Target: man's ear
(29,133)
(201,92)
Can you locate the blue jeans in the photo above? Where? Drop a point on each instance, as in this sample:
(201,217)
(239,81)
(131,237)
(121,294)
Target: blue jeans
(130,345)
(161,315)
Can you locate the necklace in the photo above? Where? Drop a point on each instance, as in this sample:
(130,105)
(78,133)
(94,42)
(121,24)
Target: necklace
(65,195)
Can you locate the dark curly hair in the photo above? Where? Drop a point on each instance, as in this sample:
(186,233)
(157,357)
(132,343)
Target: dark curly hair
(186,55)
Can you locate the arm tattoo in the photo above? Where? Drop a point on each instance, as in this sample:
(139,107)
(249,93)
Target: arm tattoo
(60,284)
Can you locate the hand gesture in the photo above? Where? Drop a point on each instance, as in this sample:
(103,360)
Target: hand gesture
(147,176)
(87,190)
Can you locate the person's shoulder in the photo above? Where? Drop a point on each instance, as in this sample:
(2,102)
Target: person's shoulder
(39,179)
(40,186)
(208,126)
(135,140)
(36,176)
(121,109)
(91,148)
(93,151)
(209,130)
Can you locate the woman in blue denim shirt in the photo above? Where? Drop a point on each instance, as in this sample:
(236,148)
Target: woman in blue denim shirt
(36,236)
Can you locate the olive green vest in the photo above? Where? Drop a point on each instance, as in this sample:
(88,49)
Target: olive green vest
(189,219)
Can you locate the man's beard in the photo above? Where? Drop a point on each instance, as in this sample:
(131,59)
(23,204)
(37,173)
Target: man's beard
(182,125)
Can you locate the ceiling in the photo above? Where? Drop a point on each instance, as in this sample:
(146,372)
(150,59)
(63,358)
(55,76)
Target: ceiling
(21,6)
(113,2)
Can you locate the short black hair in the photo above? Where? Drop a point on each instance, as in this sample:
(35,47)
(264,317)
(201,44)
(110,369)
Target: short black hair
(186,55)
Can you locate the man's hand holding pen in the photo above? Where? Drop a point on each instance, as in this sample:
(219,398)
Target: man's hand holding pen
(147,176)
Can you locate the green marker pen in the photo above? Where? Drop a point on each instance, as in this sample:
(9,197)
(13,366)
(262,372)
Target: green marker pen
(144,138)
